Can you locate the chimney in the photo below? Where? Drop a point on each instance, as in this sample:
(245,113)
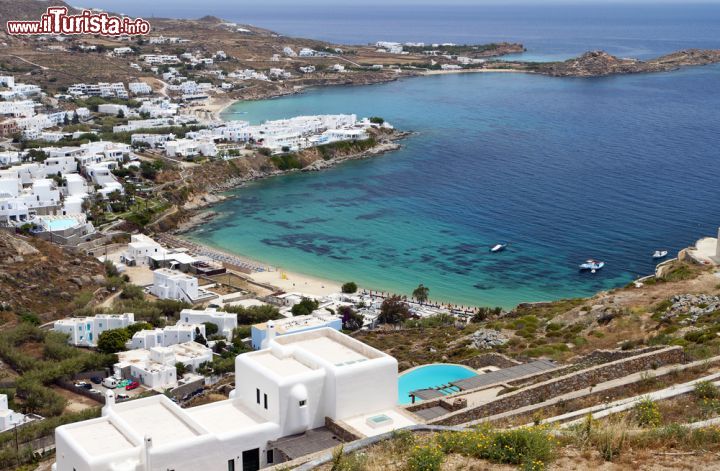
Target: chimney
(148,447)
(270,331)
(109,402)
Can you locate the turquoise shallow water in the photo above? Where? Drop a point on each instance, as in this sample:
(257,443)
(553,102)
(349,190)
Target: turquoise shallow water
(562,169)
(429,376)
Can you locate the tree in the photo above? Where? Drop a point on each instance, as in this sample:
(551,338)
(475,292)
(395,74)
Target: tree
(132,292)
(181,369)
(351,320)
(121,114)
(393,311)
(421,293)
(76,118)
(113,341)
(349,287)
(210,329)
(304,307)
(254,314)
(137,327)
(377,120)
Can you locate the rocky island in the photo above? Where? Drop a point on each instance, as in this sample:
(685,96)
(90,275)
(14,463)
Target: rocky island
(600,63)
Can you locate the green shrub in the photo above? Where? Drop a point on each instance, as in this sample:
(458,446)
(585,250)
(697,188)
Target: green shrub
(529,447)
(425,458)
(647,413)
(349,287)
(706,390)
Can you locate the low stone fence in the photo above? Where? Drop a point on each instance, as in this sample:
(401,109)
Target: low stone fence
(188,388)
(565,384)
(341,432)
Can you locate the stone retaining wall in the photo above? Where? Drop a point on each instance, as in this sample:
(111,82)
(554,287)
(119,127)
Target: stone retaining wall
(341,432)
(566,384)
(490,359)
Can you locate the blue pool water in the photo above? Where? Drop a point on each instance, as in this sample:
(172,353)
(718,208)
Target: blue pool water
(61,224)
(429,376)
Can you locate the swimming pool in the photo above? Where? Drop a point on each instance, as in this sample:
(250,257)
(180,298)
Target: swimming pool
(429,376)
(60,224)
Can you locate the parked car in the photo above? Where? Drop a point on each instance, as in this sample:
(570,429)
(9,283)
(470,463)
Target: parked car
(96,379)
(83,385)
(110,383)
(122,396)
(123,383)
(132,386)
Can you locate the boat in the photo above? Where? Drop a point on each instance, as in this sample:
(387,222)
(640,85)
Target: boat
(660,254)
(498,247)
(592,265)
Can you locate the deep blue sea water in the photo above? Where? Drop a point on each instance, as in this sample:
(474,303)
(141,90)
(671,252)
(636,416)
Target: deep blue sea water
(551,30)
(562,169)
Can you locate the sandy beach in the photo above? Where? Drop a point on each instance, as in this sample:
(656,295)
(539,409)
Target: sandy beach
(216,105)
(296,282)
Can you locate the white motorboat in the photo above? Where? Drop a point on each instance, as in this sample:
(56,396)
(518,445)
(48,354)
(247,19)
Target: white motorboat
(592,265)
(660,254)
(498,247)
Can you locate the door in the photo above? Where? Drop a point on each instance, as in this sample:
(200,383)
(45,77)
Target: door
(251,460)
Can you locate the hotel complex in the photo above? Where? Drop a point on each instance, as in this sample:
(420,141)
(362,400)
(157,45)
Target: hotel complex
(300,382)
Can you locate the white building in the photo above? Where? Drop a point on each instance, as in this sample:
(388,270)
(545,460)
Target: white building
(152,140)
(155,367)
(139,88)
(120,51)
(113,109)
(287,389)
(85,331)
(167,336)
(102,89)
(172,284)
(8,417)
(190,148)
(226,322)
(292,325)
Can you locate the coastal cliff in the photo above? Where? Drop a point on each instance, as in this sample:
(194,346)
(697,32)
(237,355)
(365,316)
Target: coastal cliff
(205,183)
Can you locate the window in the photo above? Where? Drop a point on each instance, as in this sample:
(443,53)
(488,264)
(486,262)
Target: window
(265,400)
(257,395)
(269,458)
(303,403)
(231,465)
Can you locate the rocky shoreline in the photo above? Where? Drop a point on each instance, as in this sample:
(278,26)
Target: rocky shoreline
(196,212)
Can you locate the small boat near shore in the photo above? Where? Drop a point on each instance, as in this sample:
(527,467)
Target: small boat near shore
(498,247)
(592,265)
(660,254)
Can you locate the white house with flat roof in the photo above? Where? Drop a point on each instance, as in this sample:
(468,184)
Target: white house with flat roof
(291,325)
(155,367)
(8,417)
(289,388)
(167,336)
(85,331)
(140,249)
(172,284)
(226,322)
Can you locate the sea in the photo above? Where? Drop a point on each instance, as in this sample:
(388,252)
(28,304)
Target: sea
(561,169)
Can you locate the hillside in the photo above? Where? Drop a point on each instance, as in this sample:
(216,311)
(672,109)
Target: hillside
(41,282)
